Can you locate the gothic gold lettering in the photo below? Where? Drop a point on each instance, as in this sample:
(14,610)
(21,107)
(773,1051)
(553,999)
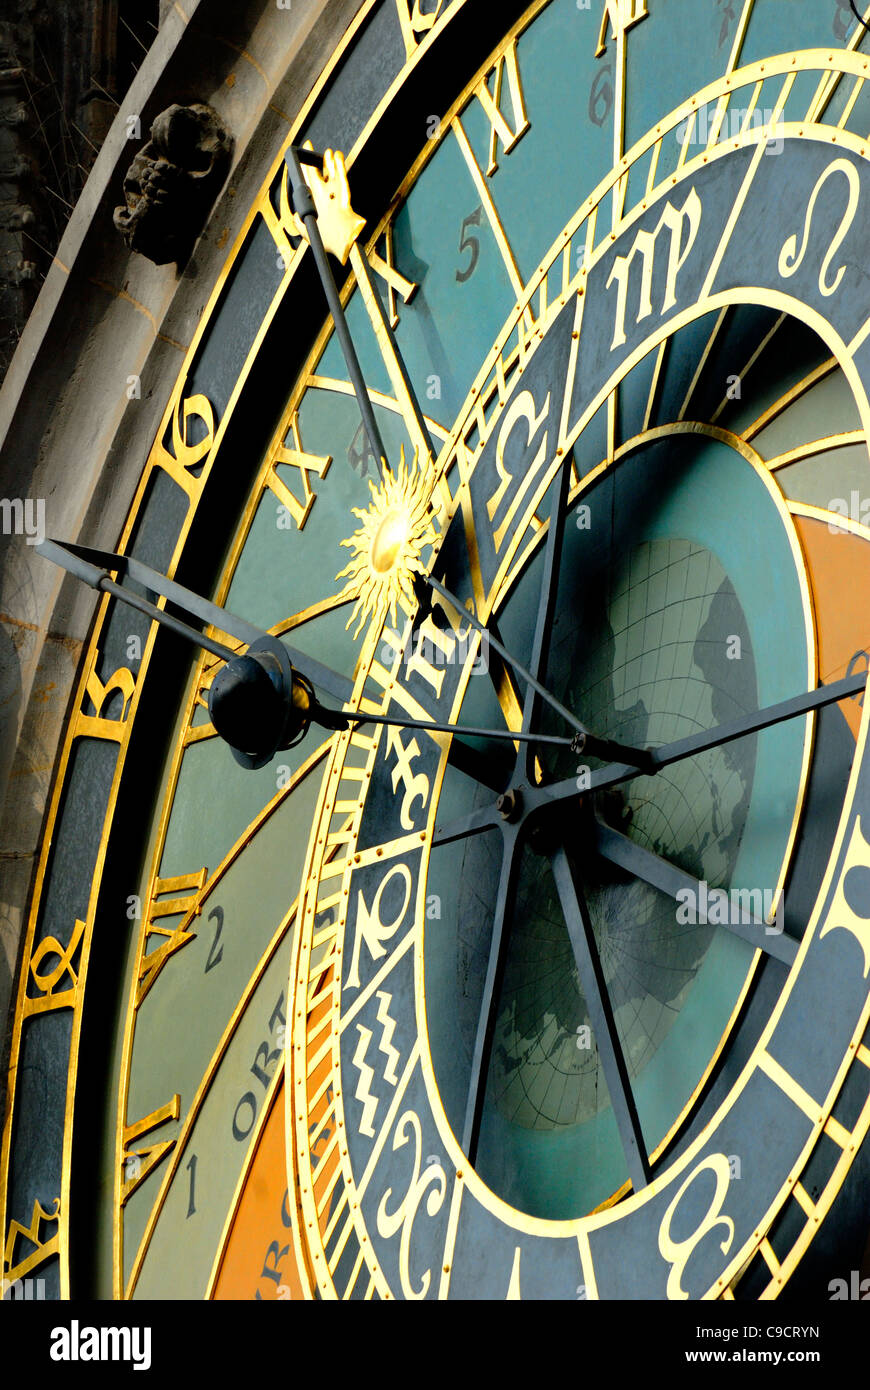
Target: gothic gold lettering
(43,1249)
(96,725)
(186,454)
(415,24)
(283,225)
(50,997)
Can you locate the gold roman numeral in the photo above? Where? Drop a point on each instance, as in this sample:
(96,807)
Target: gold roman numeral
(396,283)
(189,886)
(501,129)
(294,455)
(620,16)
(137,1163)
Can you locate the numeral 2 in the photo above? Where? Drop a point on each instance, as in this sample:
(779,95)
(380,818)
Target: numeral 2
(215,954)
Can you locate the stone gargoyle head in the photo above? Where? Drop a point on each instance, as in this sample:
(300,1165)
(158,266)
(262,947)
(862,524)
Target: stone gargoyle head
(173,181)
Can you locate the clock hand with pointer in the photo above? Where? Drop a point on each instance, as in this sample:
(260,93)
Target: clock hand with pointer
(260,701)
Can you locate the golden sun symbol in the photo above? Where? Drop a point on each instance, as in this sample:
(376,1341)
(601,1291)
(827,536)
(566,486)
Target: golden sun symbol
(396,529)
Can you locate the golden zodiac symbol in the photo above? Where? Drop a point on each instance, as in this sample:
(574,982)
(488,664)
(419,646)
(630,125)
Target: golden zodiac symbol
(433,1179)
(677,1252)
(791,259)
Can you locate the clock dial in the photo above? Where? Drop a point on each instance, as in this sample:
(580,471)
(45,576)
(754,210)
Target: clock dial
(664,515)
(375,1035)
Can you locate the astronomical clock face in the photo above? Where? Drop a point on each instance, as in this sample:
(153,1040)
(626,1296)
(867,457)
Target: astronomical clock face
(408,1014)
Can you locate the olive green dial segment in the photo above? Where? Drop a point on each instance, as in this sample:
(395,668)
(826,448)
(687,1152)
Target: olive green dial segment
(215,801)
(185,1010)
(185,1240)
(826,408)
(180,1020)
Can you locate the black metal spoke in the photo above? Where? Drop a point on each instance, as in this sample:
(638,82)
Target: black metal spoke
(463,826)
(546,613)
(668,878)
(491,769)
(491,990)
(500,675)
(602,1019)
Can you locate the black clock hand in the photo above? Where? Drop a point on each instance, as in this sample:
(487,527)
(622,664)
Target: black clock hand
(304,207)
(667,877)
(92,568)
(615,772)
(527,800)
(585,742)
(262,682)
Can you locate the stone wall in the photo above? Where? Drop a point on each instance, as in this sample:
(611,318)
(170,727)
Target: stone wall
(64,69)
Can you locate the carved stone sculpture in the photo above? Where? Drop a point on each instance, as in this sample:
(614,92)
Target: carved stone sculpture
(173,181)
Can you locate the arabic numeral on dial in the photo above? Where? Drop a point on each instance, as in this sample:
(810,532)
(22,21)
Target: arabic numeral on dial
(191,1204)
(601,95)
(216,952)
(471,244)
